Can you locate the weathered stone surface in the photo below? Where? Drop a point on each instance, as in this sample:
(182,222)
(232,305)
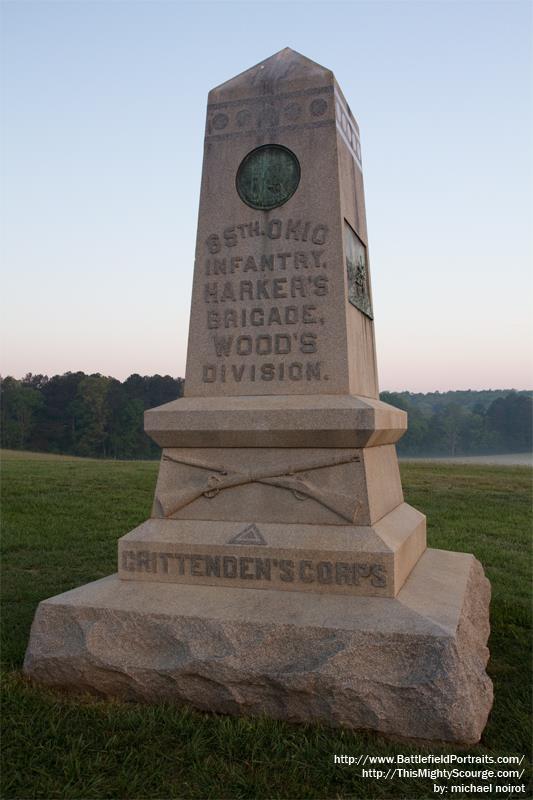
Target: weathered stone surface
(271,313)
(344,559)
(321,486)
(264,583)
(277,421)
(412,666)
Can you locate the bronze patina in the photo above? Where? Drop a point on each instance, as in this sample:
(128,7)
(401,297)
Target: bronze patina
(268,176)
(358,289)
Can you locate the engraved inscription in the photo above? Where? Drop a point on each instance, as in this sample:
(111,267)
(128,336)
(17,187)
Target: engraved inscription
(281,290)
(284,371)
(303,571)
(274,229)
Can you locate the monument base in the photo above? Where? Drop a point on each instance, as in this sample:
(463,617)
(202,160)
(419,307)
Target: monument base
(344,559)
(411,666)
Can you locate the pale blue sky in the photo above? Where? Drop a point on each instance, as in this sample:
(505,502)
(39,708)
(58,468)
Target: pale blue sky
(103,112)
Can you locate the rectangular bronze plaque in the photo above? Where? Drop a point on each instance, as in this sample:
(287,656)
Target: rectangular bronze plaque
(358,290)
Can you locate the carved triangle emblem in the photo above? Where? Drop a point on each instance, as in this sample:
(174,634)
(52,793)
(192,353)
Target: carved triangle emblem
(249,535)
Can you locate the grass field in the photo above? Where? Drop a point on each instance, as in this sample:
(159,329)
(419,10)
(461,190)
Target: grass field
(61,520)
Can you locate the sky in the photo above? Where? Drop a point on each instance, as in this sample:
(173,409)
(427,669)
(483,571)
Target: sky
(102,118)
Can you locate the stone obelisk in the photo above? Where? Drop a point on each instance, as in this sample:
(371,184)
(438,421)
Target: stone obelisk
(281,571)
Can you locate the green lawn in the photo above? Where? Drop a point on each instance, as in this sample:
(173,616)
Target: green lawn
(61,520)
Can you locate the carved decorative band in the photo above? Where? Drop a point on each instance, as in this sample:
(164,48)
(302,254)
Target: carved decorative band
(278,129)
(280,475)
(283,112)
(347,130)
(262,98)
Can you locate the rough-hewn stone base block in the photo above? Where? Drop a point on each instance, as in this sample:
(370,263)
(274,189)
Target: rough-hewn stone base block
(410,666)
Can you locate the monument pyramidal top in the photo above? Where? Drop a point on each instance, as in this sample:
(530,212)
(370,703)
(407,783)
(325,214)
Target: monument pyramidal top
(285,70)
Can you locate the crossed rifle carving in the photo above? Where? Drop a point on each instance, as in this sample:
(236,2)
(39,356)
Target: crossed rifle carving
(284,477)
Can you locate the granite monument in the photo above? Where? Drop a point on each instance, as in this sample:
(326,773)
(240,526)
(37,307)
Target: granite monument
(281,571)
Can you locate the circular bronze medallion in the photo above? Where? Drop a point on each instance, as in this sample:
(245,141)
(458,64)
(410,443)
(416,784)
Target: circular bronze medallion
(268,176)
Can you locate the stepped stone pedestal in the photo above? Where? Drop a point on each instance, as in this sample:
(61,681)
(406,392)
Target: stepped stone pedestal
(281,571)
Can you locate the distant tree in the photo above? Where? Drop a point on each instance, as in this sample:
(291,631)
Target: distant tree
(453,423)
(417,431)
(91,410)
(35,381)
(139,394)
(20,404)
(511,418)
(414,440)
(396,399)
(126,434)
(472,433)
(437,437)
(162,389)
(57,427)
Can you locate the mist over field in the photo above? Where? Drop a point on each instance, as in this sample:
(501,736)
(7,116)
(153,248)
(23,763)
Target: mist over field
(101,417)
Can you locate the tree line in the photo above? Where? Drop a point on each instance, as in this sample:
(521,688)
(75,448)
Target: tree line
(84,415)
(465,422)
(99,416)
